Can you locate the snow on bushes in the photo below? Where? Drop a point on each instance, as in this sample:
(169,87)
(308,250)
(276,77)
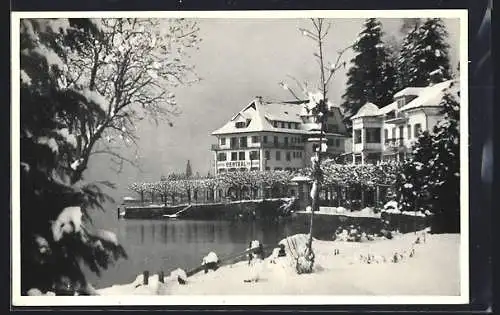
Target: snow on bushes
(107,236)
(210,262)
(68,221)
(210,258)
(180,275)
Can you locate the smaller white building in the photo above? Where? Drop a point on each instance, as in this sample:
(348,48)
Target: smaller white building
(388,133)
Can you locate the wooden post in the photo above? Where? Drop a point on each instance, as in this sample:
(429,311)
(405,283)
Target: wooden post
(161,276)
(377,195)
(145,275)
(362,196)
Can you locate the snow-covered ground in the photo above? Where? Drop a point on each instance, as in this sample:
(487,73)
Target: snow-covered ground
(366,212)
(433,269)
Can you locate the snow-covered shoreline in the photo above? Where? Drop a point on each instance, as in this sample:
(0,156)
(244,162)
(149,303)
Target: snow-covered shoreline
(432,269)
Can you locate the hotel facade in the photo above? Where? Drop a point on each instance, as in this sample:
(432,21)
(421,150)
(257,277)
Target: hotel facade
(388,133)
(275,136)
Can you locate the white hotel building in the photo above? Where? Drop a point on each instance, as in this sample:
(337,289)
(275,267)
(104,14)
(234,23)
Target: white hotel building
(275,136)
(388,133)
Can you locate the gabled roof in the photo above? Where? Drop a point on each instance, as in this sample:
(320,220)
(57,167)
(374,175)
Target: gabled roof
(367,110)
(282,112)
(261,115)
(388,108)
(409,91)
(431,96)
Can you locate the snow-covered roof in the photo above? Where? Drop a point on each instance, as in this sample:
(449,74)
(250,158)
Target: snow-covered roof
(409,91)
(367,110)
(388,108)
(282,112)
(261,115)
(432,95)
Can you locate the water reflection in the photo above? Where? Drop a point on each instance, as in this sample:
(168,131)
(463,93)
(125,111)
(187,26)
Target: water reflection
(156,245)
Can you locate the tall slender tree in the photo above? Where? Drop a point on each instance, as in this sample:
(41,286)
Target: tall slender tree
(371,77)
(318,107)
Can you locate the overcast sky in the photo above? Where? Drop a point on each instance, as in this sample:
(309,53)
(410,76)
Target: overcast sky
(237,60)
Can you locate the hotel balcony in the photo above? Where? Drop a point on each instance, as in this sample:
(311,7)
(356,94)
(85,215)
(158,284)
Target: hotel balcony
(279,145)
(364,146)
(394,143)
(268,145)
(396,119)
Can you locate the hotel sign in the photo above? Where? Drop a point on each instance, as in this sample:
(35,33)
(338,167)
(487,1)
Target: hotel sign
(237,164)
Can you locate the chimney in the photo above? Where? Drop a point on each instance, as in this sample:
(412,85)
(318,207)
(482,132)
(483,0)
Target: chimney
(435,77)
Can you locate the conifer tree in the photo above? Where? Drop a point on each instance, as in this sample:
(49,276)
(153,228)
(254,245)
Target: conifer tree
(424,50)
(430,180)
(371,77)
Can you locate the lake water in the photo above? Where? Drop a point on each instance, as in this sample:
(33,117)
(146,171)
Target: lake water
(156,245)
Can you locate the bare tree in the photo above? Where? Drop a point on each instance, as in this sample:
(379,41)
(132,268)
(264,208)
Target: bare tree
(129,71)
(319,110)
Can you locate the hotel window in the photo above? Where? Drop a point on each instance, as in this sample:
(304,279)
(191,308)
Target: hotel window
(286,140)
(289,125)
(401,102)
(337,142)
(267,155)
(264,139)
(394,133)
(241,124)
(315,147)
(241,156)
(275,124)
(278,155)
(221,156)
(234,156)
(417,128)
(372,135)
(357,136)
(386,134)
(294,154)
(275,140)
(282,125)
(233,142)
(255,139)
(222,141)
(288,157)
(408,130)
(243,142)
(401,132)
(333,127)
(329,142)
(254,155)
(296,125)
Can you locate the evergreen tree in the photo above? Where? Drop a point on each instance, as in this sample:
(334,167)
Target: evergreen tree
(424,51)
(444,177)
(371,77)
(56,238)
(430,180)
(189,171)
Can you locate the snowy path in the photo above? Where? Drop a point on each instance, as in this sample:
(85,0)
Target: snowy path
(433,270)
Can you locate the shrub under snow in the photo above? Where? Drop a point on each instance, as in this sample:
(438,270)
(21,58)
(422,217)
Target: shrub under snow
(68,221)
(180,275)
(210,258)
